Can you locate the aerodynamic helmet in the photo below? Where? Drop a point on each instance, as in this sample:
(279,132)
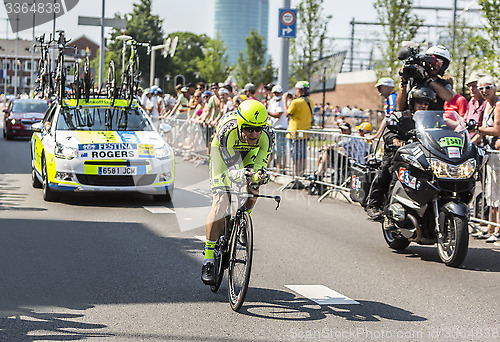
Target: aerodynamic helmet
(251,113)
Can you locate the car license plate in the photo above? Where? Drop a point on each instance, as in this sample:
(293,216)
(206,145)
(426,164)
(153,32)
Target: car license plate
(117,171)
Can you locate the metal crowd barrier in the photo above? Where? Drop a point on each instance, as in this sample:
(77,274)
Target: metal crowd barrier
(322,155)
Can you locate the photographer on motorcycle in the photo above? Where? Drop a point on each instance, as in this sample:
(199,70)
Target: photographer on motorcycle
(399,127)
(426,71)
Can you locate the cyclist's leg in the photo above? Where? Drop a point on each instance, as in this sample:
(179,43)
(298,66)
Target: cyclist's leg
(220,184)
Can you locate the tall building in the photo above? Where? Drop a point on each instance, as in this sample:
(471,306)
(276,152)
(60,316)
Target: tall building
(234,19)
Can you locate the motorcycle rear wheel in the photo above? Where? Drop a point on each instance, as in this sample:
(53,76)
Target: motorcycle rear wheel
(394,241)
(454,243)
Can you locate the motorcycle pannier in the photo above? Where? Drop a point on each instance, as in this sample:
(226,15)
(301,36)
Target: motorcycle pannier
(361,180)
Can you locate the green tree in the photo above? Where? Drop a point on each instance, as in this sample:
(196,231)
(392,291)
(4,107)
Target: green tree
(486,50)
(311,42)
(213,65)
(399,25)
(190,48)
(253,67)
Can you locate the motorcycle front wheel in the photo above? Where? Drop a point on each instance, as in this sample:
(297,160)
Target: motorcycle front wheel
(394,241)
(453,242)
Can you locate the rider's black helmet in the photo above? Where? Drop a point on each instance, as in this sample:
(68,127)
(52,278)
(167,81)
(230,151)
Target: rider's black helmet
(423,94)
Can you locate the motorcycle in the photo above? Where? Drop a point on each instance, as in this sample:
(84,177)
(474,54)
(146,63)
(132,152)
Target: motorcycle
(434,178)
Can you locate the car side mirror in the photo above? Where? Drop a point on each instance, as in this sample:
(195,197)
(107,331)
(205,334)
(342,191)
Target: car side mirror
(37,127)
(5,110)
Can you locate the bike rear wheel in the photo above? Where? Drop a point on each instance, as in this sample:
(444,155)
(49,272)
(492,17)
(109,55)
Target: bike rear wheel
(111,83)
(87,79)
(240,260)
(77,83)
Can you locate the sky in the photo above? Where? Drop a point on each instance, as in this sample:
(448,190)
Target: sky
(197,16)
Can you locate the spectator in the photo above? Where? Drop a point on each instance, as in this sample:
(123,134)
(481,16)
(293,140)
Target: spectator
(226,104)
(214,105)
(268,93)
(250,91)
(476,105)
(138,96)
(200,86)
(279,121)
(229,88)
(191,90)
(181,106)
(490,130)
(152,107)
(458,103)
(385,87)
(299,113)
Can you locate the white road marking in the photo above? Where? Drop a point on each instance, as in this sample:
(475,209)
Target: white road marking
(202,238)
(159,210)
(321,294)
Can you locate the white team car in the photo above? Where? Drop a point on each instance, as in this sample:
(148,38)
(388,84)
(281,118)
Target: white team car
(100,145)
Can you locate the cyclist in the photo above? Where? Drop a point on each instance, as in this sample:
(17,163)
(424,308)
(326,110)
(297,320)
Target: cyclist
(239,150)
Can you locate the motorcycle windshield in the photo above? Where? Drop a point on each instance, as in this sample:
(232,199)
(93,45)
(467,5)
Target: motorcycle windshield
(443,133)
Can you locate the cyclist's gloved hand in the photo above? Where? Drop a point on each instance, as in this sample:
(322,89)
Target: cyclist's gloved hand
(239,176)
(263,176)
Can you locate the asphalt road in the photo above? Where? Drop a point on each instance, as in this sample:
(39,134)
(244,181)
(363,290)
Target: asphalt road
(105,268)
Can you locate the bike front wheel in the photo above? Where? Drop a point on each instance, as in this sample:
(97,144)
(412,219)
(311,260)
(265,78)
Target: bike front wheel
(240,260)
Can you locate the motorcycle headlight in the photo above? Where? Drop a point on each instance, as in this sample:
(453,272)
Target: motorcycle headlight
(445,170)
(162,152)
(65,152)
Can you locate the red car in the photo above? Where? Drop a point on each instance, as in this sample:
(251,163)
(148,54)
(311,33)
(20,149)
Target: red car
(20,115)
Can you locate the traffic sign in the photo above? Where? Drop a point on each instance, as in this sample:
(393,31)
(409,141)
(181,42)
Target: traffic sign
(287,23)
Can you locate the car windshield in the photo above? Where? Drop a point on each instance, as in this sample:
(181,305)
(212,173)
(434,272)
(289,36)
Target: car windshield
(103,119)
(30,107)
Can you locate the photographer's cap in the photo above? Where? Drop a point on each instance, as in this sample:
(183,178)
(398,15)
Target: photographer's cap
(385,81)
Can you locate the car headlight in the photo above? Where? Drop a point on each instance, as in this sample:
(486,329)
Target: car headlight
(445,170)
(64,152)
(162,152)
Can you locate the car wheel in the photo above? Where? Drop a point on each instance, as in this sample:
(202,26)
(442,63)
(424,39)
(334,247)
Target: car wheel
(48,194)
(35,182)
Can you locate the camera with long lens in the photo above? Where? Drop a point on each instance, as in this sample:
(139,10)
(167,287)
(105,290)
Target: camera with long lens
(412,58)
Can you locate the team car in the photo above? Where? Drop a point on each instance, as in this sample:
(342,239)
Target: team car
(100,145)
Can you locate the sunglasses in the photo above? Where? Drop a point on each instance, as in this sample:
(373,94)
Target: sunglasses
(251,129)
(488,87)
(422,102)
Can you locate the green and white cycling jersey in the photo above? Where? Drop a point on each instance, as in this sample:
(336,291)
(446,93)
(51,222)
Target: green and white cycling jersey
(229,153)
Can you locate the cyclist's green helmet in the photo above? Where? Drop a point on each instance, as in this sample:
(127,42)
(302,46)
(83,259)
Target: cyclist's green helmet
(251,113)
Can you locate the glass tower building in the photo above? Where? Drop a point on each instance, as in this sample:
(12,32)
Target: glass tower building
(234,19)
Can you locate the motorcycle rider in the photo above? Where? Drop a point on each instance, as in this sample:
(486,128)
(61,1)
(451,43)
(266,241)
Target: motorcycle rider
(399,125)
(430,78)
